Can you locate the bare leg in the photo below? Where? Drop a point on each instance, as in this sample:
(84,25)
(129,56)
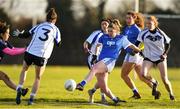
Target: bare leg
(145,70)
(7,80)
(99,67)
(138,72)
(39,71)
(164,76)
(126,69)
(23,74)
(102,82)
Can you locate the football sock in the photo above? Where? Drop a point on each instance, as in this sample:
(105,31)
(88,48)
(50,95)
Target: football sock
(135,90)
(83,83)
(94,90)
(114,99)
(102,94)
(19,87)
(32,95)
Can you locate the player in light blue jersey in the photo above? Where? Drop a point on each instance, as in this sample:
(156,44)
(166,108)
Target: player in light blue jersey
(134,21)
(90,48)
(44,36)
(111,44)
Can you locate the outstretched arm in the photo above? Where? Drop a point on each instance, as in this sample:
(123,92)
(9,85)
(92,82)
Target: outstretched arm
(21,34)
(14,51)
(135,49)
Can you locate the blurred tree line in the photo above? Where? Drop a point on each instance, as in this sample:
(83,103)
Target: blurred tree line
(75,31)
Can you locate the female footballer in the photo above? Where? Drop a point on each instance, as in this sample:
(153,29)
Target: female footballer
(7,48)
(156,47)
(135,22)
(89,47)
(111,44)
(39,50)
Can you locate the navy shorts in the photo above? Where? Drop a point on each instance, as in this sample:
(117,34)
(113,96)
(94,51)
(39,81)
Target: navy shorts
(32,59)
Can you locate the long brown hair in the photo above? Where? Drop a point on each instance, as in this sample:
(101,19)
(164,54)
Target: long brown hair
(138,18)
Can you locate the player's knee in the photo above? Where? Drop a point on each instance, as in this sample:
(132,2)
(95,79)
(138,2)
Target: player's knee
(94,69)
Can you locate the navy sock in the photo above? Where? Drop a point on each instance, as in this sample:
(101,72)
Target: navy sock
(135,91)
(83,83)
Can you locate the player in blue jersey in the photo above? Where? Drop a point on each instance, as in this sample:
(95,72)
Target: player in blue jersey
(7,48)
(135,23)
(156,47)
(44,36)
(90,48)
(111,44)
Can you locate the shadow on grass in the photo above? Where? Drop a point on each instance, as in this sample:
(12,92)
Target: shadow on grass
(78,103)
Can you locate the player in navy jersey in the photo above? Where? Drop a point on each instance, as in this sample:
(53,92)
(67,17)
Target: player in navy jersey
(38,51)
(7,48)
(135,22)
(156,47)
(89,47)
(111,44)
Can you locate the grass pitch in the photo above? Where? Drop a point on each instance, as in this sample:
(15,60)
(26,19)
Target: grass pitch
(53,95)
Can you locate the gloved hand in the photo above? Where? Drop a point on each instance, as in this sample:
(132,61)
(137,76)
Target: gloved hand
(141,54)
(17,32)
(164,56)
(94,59)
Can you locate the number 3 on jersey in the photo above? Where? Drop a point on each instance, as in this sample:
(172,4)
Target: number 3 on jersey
(45,34)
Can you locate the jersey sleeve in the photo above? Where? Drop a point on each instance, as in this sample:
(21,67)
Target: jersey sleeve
(167,39)
(100,39)
(31,31)
(126,43)
(139,38)
(57,37)
(91,37)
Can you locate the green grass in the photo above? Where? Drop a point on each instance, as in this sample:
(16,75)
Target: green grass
(53,95)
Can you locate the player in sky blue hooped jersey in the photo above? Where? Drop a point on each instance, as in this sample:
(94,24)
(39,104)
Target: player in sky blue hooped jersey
(7,48)
(111,43)
(90,48)
(38,51)
(156,47)
(135,22)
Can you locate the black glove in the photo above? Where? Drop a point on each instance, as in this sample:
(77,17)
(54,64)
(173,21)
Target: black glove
(141,54)
(17,32)
(94,59)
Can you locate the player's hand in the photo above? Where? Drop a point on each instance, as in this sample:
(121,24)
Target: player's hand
(17,32)
(86,50)
(94,59)
(164,56)
(141,54)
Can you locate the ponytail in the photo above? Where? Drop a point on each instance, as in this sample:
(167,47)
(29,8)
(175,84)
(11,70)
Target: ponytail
(138,18)
(51,15)
(139,21)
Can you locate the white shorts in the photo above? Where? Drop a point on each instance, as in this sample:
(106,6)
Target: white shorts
(110,63)
(137,59)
